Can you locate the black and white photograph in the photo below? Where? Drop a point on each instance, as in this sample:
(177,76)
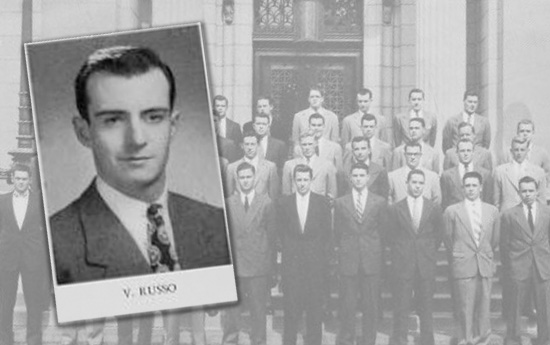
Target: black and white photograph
(130,173)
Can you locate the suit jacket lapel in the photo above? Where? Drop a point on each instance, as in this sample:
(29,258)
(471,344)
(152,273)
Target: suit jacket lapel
(373,175)
(367,206)
(512,176)
(426,207)
(405,211)
(252,210)
(466,221)
(522,220)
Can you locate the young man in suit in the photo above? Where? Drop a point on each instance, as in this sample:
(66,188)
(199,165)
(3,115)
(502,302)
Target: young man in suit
(272,149)
(525,246)
(430,157)
(266,179)
(378,177)
(472,235)
(506,176)
(300,124)
(452,190)
(324,173)
(380,151)
(359,229)
(480,157)
(398,178)
(125,97)
(23,252)
(351,125)
(326,149)
(226,128)
(251,216)
(415,232)
(304,229)
(469,115)
(277,129)
(400,123)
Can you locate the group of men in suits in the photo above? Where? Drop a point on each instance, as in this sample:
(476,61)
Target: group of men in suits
(384,183)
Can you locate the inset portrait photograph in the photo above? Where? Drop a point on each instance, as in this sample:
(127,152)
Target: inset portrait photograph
(130,173)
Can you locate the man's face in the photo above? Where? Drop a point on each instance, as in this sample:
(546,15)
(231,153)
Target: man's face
(360,150)
(466,132)
(416,131)
(359,178)
(363,102)
(416,100)
(246,180)
(528,192)
(21,181)
(264,107)
(368,128)
(519,151)
(318,126)
(220,107)
(415,185)
(250,147)
(308,145)
(470,104)
(472,188)
(525,130)
(261,125)
(303,182)
(315,99)
(413,154)
(129,130)
(465,152)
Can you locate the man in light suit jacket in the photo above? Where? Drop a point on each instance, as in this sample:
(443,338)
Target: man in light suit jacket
(273,150)
(324,173)
(525,246)
(480,123)
(128,123)
(481,156)
(506,176)
(430,157)
(380,151)
(415,232)
(23,252)
(226,127)
(266,179)
(300,124)
(452,190)
(251,216)
(472,236)
(352,124)
(378,176)
(359,228)
(304,229)
(398,178)
(326,149)
(400,122)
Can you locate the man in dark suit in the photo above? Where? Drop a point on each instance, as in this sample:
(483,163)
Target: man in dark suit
(277,129)
(400,125)
(472,236)
(251,216)
(415,229)
(480,157)
(227,128)
(358,226)
(23,252)
(127,120)
(304,228)
(469,115)
(452,190)
(525,246)
(272,149)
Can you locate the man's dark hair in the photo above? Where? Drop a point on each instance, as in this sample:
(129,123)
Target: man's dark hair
(528,179)
(464,141)
(317,88)
(245,166)
(21,167)
(472,174)
(364,91)
(358,139)
(470,93)
(220,98)
(316,116)
(415,172)
(268,98)
(369,117)
(407,145)
(525,122)
(466,124)
(359,165)
(302,168)
(416,90)
(123,61)
(419,120)
(262,115)
(250,133)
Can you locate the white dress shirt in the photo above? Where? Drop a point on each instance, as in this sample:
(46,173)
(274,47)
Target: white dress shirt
(132,214)
(519,168)
(222,127)
(533,211)
(250,197)
(363,199)
(302,203)
(20,203)
(254,161)
(462,169)
(474,213)
(413,114)
(415,207)
(263,145)
(468,118)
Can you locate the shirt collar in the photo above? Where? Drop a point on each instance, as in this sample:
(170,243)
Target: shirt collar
(253,161)
(301,197)
(16,194)
(475,203)
(413,113)
(249,195)
(364,192)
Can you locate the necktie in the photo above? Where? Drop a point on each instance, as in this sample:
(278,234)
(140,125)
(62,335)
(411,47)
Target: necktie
(530,218)
(416,113)
(476,224)
(358,208)
(471,119)
(466,167)
(416,214)
(246,204)
(161,256)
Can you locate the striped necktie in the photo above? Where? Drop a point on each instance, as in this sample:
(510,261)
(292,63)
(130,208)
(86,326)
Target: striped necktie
(359,207)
